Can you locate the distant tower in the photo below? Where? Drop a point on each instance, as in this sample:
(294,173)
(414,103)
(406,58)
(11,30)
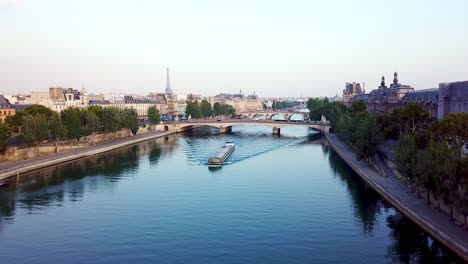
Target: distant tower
(363,87)
(168,83)
(382,83)
(395,79)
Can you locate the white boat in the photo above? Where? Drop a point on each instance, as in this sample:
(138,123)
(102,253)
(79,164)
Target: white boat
(222,155)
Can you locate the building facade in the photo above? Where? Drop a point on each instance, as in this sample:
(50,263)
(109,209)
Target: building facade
(6,109)
(453,98)
(427,98)
(384,99)
(350,91)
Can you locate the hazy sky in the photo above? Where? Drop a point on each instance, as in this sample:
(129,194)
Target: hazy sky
(275,48)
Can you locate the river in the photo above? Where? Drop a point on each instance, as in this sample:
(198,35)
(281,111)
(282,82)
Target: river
(286,199)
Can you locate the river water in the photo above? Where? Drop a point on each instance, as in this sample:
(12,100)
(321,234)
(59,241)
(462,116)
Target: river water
(287,199)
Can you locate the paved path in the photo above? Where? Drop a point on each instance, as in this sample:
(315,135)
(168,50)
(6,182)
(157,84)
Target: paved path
(12,168)
(437,224)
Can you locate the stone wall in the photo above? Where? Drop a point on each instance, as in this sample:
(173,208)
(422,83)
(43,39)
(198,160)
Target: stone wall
(47,148)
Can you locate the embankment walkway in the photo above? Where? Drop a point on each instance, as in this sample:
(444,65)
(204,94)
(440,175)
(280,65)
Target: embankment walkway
(437,224)
(14,168)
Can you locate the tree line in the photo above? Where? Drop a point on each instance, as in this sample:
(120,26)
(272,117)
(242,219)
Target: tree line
(428,152)
(284,104)
(38,123)
(204,109)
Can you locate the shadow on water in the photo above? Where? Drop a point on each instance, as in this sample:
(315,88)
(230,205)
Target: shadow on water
(367,204)
(50,186)
(411,245)
(408,243)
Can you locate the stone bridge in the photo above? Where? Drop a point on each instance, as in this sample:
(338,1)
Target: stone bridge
(225,126)
(268,115)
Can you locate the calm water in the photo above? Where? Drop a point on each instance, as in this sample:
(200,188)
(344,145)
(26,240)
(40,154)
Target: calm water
(287,199)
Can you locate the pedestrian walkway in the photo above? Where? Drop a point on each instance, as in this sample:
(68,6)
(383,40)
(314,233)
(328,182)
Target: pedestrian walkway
(434,222)
(8,169)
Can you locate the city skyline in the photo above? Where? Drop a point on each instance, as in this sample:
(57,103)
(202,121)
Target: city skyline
(275,50)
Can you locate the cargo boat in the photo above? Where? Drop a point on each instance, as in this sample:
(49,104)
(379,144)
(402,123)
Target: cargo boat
(222,155)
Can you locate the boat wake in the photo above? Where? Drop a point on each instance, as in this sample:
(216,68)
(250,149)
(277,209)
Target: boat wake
(200,148)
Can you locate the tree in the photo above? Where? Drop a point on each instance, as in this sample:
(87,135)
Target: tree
(71,119)
(368,137)
(205,109)
(57,130)
(154,116)
(452,129)
(217,109)
(5,133)
(193,109)
(129,119)
(110,120)
(358,107)
(436,166)
(406,158)
(35,129)
(315,106)
(91,122)
(15,121)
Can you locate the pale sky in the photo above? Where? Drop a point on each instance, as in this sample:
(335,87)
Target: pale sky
(275,48)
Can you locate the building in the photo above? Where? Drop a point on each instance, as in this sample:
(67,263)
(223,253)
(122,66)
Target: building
(453,98)
(253,103)
(6,109)
(384,99)
(351,90)
(427,98)
(59,98)
(239,101)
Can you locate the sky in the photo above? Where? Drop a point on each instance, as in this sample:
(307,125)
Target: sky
(273,48)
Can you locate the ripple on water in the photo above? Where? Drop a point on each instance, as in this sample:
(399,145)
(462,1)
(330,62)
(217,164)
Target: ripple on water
(249,143)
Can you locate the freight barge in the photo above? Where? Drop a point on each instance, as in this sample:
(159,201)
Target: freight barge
(222,155)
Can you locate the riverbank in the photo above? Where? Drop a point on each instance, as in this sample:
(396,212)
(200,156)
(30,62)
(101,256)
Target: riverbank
(397,194)
(15,168)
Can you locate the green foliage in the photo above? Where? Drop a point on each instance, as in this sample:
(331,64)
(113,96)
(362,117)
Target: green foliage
(406,158)
(56,127)
(193,109)
(111,120)
(205,109)
(153,115)
(412,118)
(15,121)
(216,109)
(436,165)
(5,133)
(284,104)
(91,122)
(367,137)
(315,106)
(71,119)
(453,129)
(35,129)
(358,107)
(129,119)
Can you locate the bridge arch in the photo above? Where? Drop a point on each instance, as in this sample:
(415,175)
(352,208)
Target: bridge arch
(259,117)
(296,117)
(278,117)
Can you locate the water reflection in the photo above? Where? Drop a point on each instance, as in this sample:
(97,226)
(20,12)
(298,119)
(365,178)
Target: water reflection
(40,189)
(172,203)
(367,204)
(409,244)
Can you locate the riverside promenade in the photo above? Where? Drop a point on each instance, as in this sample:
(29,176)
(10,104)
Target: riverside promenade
(437,224)
(15,168)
